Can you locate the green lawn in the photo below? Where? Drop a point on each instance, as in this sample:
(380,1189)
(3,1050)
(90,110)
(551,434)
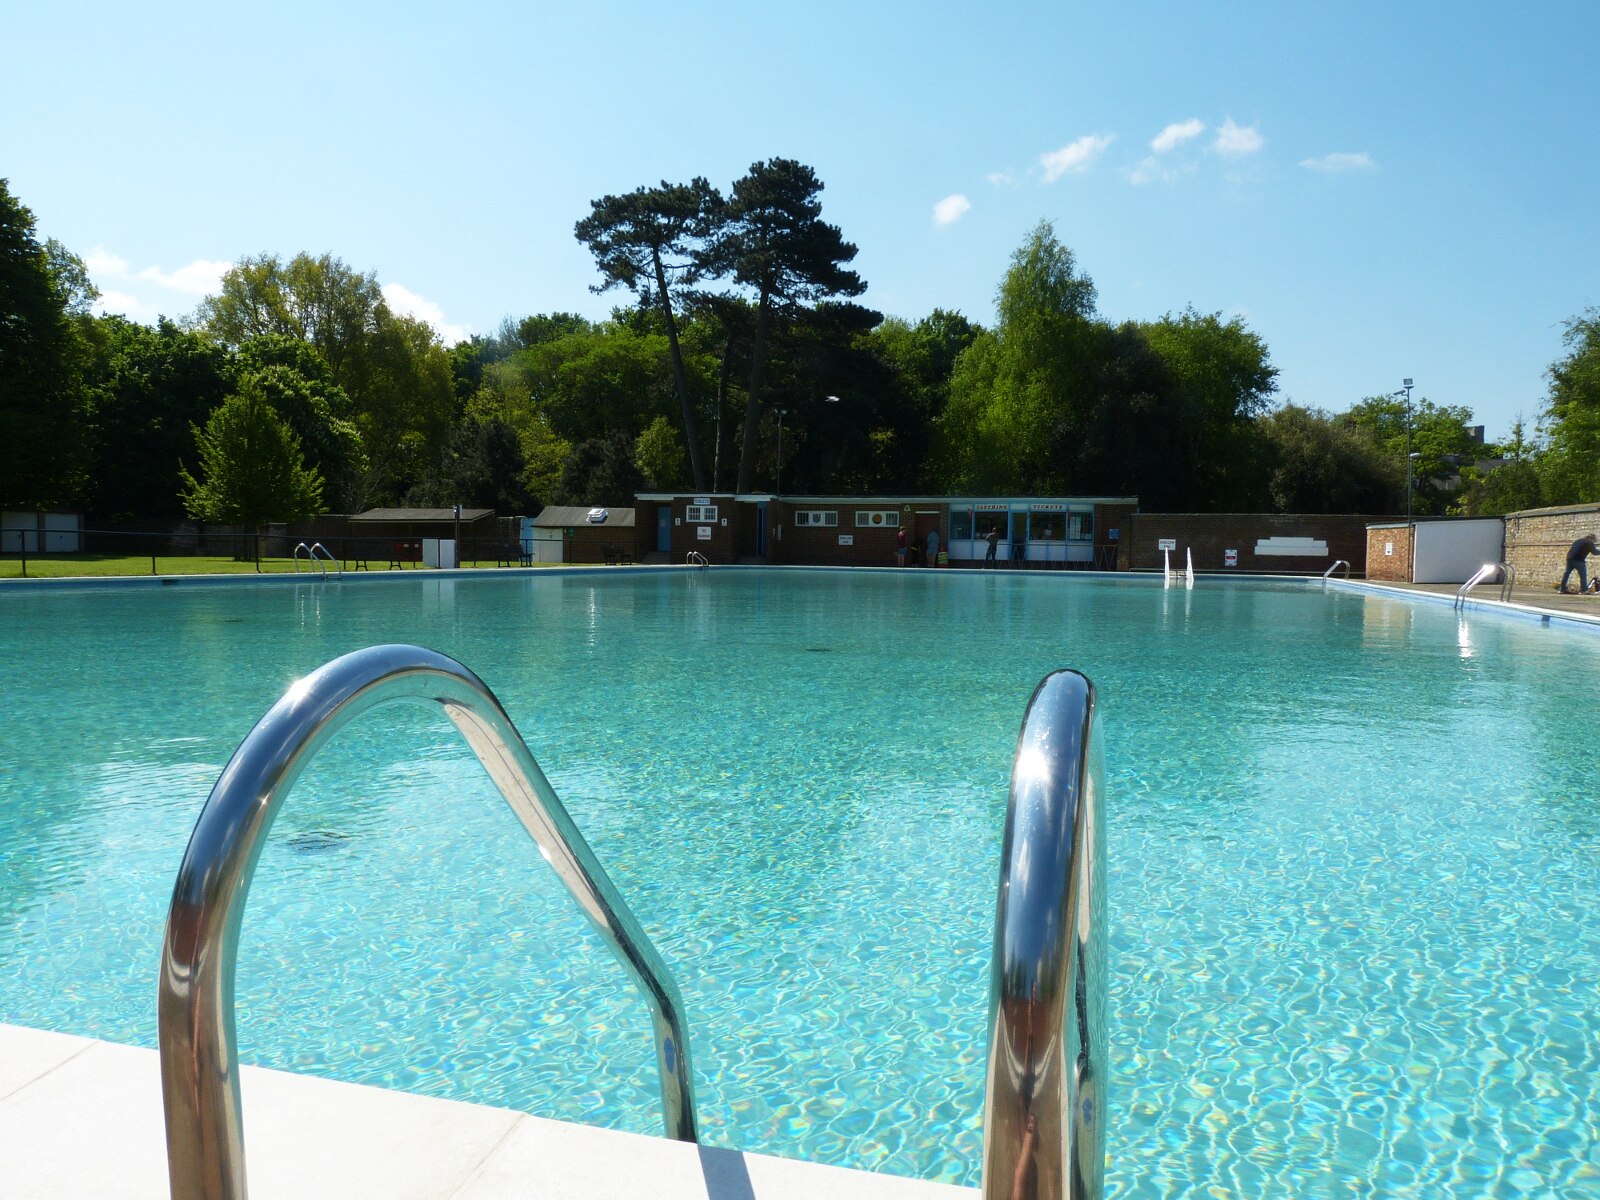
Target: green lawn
(71,566)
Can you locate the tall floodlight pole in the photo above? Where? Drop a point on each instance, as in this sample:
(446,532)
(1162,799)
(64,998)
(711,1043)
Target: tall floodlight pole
(779,489)
(1405,389)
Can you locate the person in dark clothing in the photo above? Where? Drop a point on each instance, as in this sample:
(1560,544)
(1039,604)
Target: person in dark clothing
(993,538)
(1576,556)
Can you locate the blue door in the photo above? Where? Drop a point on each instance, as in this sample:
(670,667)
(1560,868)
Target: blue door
(664,530)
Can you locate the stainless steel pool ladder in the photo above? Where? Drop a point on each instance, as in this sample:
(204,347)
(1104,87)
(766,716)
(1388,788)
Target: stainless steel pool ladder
(1508,580)
(1045,1098)
(1337,563)
(695,559)
(199,1064)
(317,554)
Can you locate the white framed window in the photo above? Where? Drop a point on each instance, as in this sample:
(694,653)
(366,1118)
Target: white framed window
(877,518)
(816,517)
(701,514)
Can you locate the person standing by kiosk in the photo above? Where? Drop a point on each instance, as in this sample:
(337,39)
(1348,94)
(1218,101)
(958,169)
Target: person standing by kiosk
(993,538)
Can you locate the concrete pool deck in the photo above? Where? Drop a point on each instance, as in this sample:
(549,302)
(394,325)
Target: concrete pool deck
(81,1118)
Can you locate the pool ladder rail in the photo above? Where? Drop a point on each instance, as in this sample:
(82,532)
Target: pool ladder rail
(1044,1098)
(199,1058)
(1485,573)
(695,559)
(317,555)
(1337,563)
(1169,576)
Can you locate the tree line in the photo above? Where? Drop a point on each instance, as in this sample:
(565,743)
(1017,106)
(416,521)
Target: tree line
(296,390)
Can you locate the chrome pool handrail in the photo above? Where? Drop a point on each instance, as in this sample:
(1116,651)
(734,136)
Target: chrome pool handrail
(1508,580)
(310,555)
(199,1066)
(1044,1101)
(695,559)
(1337,563)
(331,560)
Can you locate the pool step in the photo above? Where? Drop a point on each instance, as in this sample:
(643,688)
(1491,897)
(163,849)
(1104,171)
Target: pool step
(80,1117)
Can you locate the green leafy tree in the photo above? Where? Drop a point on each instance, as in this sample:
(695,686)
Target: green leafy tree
(1436,433)
(482,467)
(1222,380)
(1323,464)
(658,454)
(251,467)
(1132,436)
(318,300)
(396,374)
(44,412)
(1569,469)
(649,240)
(1016,386)
(601,470)
(772,241)
(152,386)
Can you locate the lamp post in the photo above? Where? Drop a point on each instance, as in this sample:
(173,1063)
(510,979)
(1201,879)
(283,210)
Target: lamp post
(779,489)
(1411,462)
(1405,390)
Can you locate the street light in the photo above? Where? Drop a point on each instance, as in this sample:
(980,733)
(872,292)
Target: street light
(1405,390)
(779,489)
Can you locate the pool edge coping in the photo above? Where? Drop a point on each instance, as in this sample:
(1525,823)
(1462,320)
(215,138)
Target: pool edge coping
(84,1112)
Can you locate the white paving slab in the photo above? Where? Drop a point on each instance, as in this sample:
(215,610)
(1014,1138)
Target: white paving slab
(81,1118)
(553,1160)
(28,1054)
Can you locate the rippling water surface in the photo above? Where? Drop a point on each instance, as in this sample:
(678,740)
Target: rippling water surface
(1355,859)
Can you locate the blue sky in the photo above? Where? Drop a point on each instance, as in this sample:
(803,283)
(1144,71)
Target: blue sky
(1379,190)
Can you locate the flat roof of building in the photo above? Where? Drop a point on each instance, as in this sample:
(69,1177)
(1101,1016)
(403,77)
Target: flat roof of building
(750,497)
(422,514)
(563,515)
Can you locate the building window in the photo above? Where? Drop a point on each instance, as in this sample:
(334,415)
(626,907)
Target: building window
(701,514)
(1080,527)
(816,516)
(877,518)
(1047,525)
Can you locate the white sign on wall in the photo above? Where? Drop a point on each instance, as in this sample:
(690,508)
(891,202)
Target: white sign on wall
(1167,544)
(703,532)
(847,539)
(1230,558)
(1388,549)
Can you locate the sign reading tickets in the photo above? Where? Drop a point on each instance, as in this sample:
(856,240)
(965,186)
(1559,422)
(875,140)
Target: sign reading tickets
(1230,558)
(1167,544)
(703,532)
(847,539)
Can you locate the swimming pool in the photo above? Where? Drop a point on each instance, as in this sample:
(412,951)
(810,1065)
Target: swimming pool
(1354,848)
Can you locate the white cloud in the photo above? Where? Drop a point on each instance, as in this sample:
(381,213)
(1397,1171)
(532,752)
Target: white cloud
(101,261)
(1236,141)
(128,305)
(1176,134)
(199,278)
(1159,170)
(951,209)
(407,303)
(1001,178)
(1333,164)
(1076,157)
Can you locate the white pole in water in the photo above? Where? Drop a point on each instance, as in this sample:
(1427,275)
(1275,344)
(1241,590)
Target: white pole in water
(1189,575)
(1166,569)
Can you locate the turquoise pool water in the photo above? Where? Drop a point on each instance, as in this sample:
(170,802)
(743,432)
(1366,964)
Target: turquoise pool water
(1354,859)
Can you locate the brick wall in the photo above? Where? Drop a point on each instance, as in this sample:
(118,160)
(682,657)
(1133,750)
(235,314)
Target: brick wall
(1537,540)
(1210,534)
(870,546)
(1394,567)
